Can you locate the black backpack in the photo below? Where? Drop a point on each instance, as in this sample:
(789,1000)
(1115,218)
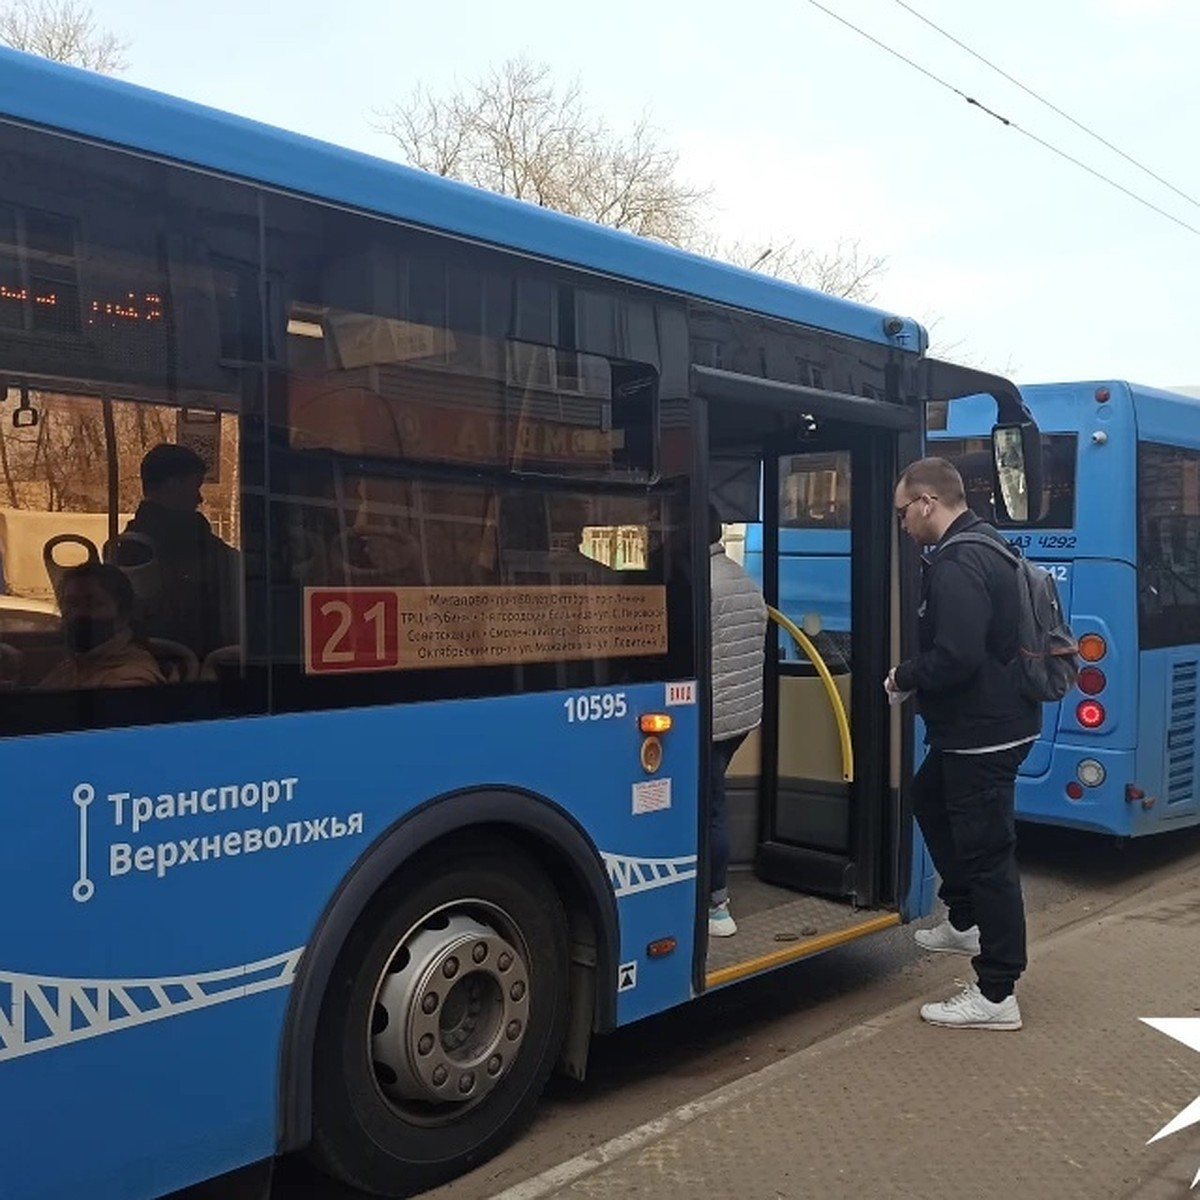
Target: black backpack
(1047,662)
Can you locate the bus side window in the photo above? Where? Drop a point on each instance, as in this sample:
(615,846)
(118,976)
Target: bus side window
(59,516)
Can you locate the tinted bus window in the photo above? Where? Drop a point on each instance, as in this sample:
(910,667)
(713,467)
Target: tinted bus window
(460,504)
(972,457)
(128,290)
(1168,545)
(814,491)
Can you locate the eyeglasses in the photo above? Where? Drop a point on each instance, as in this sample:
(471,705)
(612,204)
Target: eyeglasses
(902,511)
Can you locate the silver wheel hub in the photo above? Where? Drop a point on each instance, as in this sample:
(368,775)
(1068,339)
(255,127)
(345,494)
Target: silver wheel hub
(451,1013)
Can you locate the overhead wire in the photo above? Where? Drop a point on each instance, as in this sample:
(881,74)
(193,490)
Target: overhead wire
(1049,104)
(1006,121)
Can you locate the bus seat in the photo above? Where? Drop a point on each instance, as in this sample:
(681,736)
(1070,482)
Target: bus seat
(219,659)
(135,554)
(54,569)
(176,661)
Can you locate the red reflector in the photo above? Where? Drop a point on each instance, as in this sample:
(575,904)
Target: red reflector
(1091,680)
(1075,790)
(1103,395)
(1090,713)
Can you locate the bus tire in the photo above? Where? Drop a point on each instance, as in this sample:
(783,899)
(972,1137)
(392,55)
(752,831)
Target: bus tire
(442,1020)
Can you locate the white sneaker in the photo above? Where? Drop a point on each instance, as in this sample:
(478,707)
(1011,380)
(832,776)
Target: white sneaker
(971,1009)
(720,923)
(945,939)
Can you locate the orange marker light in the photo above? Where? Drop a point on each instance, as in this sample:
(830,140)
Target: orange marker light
(661,948)
(1092,647)
(654,722)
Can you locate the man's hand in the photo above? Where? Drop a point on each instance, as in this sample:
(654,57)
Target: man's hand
(894,694)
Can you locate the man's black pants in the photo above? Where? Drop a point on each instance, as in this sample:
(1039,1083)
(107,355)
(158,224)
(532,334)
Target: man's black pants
(964,806)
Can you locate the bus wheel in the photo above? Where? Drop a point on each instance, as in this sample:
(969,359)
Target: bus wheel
(442,1021)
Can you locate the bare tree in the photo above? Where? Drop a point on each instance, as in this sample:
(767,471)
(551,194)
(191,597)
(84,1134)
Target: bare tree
(517,133)
(64,30)
(847,270)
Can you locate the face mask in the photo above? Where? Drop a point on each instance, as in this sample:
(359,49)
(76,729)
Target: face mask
(86,633)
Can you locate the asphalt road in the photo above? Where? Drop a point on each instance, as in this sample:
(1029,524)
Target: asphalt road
(643,1071)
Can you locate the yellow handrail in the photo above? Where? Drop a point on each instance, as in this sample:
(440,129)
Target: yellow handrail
(835,697)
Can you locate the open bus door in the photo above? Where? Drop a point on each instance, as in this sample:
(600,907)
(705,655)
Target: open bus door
(817,796)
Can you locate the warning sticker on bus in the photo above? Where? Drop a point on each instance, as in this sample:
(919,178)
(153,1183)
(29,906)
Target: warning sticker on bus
(404,628)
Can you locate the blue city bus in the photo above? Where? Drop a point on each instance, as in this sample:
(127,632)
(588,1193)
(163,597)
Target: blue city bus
(1119,526)
(355,713)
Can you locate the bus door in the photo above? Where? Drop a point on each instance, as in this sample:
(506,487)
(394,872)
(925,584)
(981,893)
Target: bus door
(812,806)
(824,796)
(823,848)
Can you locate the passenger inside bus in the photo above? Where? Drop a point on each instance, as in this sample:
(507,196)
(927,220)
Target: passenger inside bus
(739,633)
(190,591)
(102,652)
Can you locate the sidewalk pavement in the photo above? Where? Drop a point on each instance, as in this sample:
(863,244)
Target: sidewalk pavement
(1062,1108)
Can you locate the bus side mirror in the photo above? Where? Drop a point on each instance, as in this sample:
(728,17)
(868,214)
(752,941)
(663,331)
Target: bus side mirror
(1017,471)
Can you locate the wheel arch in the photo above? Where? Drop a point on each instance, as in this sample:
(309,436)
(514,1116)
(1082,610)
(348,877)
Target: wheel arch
(543,828)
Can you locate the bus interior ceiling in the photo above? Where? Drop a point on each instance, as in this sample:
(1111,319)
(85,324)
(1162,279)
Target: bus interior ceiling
(807,804)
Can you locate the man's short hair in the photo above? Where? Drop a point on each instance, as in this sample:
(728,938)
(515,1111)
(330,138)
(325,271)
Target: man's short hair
(936,476)
(715,528)
(166,462)
(112,579)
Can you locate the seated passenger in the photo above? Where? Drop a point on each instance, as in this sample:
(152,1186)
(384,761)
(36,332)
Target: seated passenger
(97,603)
(196,603)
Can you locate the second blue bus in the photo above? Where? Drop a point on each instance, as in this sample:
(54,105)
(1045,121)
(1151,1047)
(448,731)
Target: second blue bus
(1119,527)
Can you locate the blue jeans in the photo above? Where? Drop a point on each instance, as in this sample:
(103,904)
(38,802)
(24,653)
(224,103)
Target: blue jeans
(718,819)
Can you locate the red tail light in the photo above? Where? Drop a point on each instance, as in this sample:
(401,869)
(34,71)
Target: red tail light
(1090,714)
(1091,681)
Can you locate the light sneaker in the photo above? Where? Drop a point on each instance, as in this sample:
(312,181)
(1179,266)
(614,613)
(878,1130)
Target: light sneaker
(720,923)
(945,939)
(971,1009)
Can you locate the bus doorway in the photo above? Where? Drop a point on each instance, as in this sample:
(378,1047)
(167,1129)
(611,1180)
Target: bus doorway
(816,831)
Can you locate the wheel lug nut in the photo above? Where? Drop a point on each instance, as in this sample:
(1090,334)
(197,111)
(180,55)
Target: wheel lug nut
(513,1030)
(480,952)
(494,1064)
(429,1004)
(425,1044)
(518,991)
(505,961)
(439,1076)
(467,1082)
(450,968)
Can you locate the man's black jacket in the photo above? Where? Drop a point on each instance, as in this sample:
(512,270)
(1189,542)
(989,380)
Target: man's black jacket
(969,618)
